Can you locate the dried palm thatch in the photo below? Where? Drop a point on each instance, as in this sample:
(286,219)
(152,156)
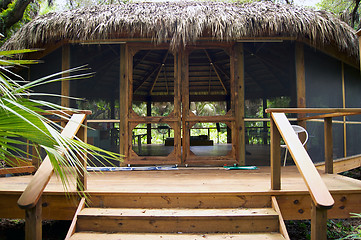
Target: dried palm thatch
(182,23)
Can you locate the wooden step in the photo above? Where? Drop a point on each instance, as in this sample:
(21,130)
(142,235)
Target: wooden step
(180,200)
(180,236)
(137,220)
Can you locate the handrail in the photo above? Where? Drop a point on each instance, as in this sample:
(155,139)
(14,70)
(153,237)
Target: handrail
(321,197)
(317,188)
(35,188)
(313,110)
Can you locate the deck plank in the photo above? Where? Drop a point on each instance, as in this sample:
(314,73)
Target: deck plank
(188,180)
(234,188)
(180,236)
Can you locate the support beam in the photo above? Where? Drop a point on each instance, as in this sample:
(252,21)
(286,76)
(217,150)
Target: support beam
(318,223)
(215,70)
(237,97)
(229,130)
(328,145)
(162,65)
(264,105)
(344,106)
(33,222)
(65,65)
(184,67)
(178,105)
(145,79)
(82,183)
(359,44)
(149,126)
(35,159)
(300,81)
(275,157)
(123,101)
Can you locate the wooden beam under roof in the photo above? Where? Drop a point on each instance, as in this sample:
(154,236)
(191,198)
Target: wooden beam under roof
(160,69)
(215,70)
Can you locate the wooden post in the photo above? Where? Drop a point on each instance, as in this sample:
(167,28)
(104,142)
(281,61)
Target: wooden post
(300,82)
(183,60)
(35,160)
(264,135)
(149,126)
(229,131)
(123,102)
(65,85)
(82,182)
(177,105)
(359,44)
(344,106)
(33,224)
(237,93)
(318,223)
(328,145)
(275,156)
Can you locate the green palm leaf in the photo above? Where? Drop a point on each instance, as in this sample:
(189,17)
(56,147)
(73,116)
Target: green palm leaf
(22,124)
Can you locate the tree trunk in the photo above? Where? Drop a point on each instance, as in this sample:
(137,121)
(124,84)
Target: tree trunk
(12,13)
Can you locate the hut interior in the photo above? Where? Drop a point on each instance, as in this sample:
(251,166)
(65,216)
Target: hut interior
(269,77)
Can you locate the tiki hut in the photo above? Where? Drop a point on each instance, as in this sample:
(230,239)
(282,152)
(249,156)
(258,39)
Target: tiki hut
(188,82)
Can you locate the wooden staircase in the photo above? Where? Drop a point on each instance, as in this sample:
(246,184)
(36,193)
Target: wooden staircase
(173,218)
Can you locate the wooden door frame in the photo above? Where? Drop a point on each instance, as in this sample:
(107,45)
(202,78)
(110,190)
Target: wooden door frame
(233,118)
(173,119)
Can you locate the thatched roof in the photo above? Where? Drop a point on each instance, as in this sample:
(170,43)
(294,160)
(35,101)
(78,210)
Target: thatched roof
(182,23)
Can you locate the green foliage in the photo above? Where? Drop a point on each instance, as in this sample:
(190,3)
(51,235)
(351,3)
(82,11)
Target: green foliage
(208,108)
(45,8)
(22,125)
(258,132)
(337,229)
(356,231)
(343,9)
(30,13)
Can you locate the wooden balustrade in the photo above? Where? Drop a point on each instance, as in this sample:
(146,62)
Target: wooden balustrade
(321,197)
(30,200)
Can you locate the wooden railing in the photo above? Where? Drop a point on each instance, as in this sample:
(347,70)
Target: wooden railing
(321,197)
(30,200)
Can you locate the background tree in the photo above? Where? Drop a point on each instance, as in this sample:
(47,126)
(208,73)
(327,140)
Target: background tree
(348,10)
(14,13)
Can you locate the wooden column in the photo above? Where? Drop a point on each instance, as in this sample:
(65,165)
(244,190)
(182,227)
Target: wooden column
(344,106)
(177,104)
(300,81)
(65,65)
(123,101)
(149,126)
(359,44)
(264,105)
(275,156)
(82,182)
(183,59)
(237,60)
(35,160)
(328,145)
(33,222)
(229,131)
(318,223)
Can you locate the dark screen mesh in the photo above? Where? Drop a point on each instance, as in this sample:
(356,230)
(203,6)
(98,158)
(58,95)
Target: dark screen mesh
(101,91)
(323,80)
(323,89)
(353,100)
(51,64)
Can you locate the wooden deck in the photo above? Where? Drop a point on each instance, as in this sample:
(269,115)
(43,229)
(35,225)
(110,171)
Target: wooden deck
(186,184)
